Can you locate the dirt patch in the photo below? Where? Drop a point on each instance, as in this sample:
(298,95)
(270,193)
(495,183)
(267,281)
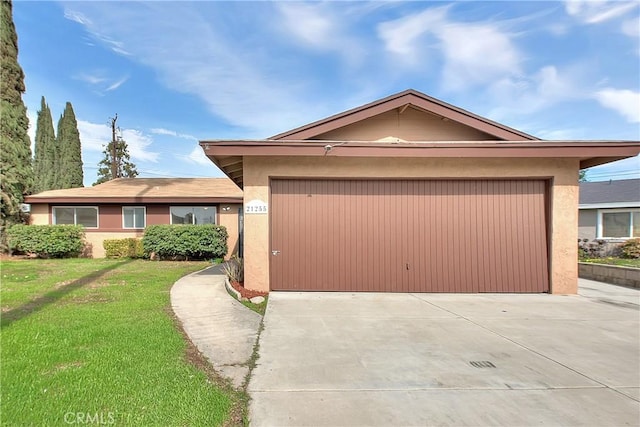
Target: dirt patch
(247,293)
(64,366)
(7,257)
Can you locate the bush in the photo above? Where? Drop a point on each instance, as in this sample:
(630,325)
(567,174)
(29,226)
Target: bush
(185,241)
(588,250)
(631,248)
(123,248)
(47,241)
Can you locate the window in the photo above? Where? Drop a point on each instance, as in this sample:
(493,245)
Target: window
(619,224)
(197,215)
(70,215)
(133,217)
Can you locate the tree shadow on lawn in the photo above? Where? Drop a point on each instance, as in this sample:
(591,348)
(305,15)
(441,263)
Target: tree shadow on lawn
(51,297)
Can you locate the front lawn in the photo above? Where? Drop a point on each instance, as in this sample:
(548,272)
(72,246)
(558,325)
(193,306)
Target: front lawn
(625,262)
(95,341)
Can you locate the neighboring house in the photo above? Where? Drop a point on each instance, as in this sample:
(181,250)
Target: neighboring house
(125,206)
(410,194)
(609,210)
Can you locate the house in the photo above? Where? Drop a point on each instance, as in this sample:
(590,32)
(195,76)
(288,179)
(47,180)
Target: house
(410,194)
(609,210)
(124,207)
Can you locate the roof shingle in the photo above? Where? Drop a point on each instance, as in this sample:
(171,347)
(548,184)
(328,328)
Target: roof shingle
(620,191)
(147,188)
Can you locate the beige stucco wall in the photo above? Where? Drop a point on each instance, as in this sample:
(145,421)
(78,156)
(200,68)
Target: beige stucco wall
(411,125)
(229,219)
(563,174)
(95,239)
(39,214)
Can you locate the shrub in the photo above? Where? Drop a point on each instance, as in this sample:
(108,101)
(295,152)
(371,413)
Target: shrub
(123,248)
(47,241)
(588,250)
(631,248)
(234,269)
(185,241)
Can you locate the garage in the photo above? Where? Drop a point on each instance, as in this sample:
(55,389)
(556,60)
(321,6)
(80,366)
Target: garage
(410,194)
(359,235)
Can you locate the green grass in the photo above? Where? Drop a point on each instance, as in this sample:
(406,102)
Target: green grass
(97,338)
(258,308)
(615,261)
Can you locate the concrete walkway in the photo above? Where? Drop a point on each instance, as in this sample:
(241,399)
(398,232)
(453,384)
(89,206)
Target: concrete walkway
(346,359)
(222,329)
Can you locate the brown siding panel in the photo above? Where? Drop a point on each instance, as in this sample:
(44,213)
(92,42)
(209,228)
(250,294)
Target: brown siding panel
(409,235)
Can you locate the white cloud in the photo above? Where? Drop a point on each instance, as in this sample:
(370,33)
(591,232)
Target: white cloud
(474,53)
(115,85)
(403,36)
(192,52)
(531,94)
(631,27)
(76,16)
(100,81)
(168,132)
(597,11)
(625,102)
(162,131)
(92,79)
(307,22)
(33,121)
(197,156)
(96,136)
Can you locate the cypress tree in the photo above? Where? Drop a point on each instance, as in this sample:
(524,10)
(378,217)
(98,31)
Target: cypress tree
(45,156)
(70,153)
(16,171)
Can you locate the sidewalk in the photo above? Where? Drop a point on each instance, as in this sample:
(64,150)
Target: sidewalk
(220,327)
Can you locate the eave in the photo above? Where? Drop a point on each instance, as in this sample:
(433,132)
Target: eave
(228,155)
(131,200)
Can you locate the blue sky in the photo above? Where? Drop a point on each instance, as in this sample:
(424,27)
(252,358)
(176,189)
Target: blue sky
(176,72)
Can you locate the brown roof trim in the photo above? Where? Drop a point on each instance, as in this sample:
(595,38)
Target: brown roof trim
(590,153)
(401,100)
(130,200)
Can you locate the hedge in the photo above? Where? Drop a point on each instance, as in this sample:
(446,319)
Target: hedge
(47,241)
(185,241)
(123,248)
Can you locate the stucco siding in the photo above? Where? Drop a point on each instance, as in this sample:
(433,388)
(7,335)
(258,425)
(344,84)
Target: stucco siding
(562,174)
(39,214)
(229,219)
(587,222)
(410,125)
(95,240)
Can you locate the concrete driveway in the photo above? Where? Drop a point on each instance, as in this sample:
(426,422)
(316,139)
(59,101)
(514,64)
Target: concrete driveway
(332,359)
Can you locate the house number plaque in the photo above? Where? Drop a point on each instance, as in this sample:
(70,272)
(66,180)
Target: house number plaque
(256,207)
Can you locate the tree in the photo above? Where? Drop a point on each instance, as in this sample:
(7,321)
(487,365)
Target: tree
(582,176)
(45,163)
(16,171)
(116,162)
(70,155)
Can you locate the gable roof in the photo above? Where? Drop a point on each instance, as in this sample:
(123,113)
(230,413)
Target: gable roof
(228,155)
(619,193)
(402,100)
(147,190)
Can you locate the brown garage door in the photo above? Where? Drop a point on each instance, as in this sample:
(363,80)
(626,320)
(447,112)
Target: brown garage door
(409,236)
